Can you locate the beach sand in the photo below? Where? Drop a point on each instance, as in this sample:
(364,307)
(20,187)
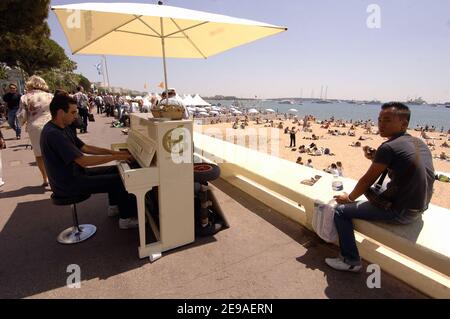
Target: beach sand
(352,158)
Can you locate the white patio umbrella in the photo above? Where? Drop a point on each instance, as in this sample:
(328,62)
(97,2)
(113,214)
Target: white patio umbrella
(270,110)
(293,110)
(213,112)
(237,112)
(139,29)
(253,111)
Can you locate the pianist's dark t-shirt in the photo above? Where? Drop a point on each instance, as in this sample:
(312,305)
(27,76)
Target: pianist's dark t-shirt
(60,147)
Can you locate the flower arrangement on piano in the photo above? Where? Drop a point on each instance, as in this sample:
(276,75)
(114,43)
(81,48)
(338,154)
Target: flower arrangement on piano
(171,108)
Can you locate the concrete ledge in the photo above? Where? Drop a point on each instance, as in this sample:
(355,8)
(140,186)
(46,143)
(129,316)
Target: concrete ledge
(413,253)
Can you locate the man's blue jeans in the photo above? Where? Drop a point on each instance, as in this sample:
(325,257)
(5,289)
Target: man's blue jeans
(344,214)
(14,122)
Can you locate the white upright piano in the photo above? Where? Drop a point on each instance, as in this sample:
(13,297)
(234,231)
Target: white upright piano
(163,150)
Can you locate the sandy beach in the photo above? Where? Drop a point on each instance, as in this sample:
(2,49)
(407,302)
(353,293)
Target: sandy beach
(352,158)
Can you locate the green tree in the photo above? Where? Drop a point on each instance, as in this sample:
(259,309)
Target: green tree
(25,42)
(24,36)
(24,16)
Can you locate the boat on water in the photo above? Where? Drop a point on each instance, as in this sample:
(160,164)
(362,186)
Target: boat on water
(286,102)
(322,102)
(417,101)
(373,102)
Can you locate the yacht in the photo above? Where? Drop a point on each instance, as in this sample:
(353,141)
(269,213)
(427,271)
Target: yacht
(286,102)
(417,101)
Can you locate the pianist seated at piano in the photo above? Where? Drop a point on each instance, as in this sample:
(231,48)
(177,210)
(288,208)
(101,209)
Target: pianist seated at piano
(70,170)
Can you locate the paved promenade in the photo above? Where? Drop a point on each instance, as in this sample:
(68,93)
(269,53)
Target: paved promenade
(262,254)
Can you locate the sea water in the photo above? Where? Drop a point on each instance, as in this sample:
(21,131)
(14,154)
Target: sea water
(420,114)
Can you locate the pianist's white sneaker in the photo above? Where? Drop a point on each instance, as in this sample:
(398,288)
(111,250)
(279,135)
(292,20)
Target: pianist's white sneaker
(113,210)
(340,264)
(128,223)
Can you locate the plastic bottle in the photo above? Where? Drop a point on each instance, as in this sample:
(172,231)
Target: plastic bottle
(337,184)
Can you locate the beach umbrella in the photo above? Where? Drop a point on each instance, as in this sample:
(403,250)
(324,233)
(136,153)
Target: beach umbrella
(253,111)
(203,113)
(213,112)
(270,110)
(237,112)
(192,109)
(140,29)
(293,110)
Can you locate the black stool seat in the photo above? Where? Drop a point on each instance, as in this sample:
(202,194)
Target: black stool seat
(64,201)
(205,172)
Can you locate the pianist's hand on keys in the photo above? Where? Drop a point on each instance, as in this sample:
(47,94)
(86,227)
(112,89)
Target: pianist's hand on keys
(124,156)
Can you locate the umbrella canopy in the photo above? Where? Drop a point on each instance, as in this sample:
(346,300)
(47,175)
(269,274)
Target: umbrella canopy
(139,29)
(237,112)
(253,111)
(270,110)
(213,112)
(293,110)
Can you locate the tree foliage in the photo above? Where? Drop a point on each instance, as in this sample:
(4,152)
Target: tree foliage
(67,81)
(24,16)
(25,42)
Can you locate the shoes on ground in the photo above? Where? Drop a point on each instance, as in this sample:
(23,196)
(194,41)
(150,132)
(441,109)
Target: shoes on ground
(128,223)
(113,210)
(208,230)
(340,264)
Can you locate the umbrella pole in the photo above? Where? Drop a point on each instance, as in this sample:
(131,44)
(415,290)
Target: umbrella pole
(164,59)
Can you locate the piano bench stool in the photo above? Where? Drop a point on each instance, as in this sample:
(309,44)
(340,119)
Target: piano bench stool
(77,233)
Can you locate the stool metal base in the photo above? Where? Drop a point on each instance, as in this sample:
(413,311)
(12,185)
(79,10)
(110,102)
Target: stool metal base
(73,236)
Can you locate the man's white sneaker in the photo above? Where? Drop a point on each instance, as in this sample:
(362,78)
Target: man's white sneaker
(340,264)
(113,210)
(128,223)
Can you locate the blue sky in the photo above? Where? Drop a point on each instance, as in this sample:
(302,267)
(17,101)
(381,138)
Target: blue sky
(328,43)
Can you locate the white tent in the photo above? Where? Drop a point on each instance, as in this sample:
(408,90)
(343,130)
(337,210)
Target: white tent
(188,100)
(199,101)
